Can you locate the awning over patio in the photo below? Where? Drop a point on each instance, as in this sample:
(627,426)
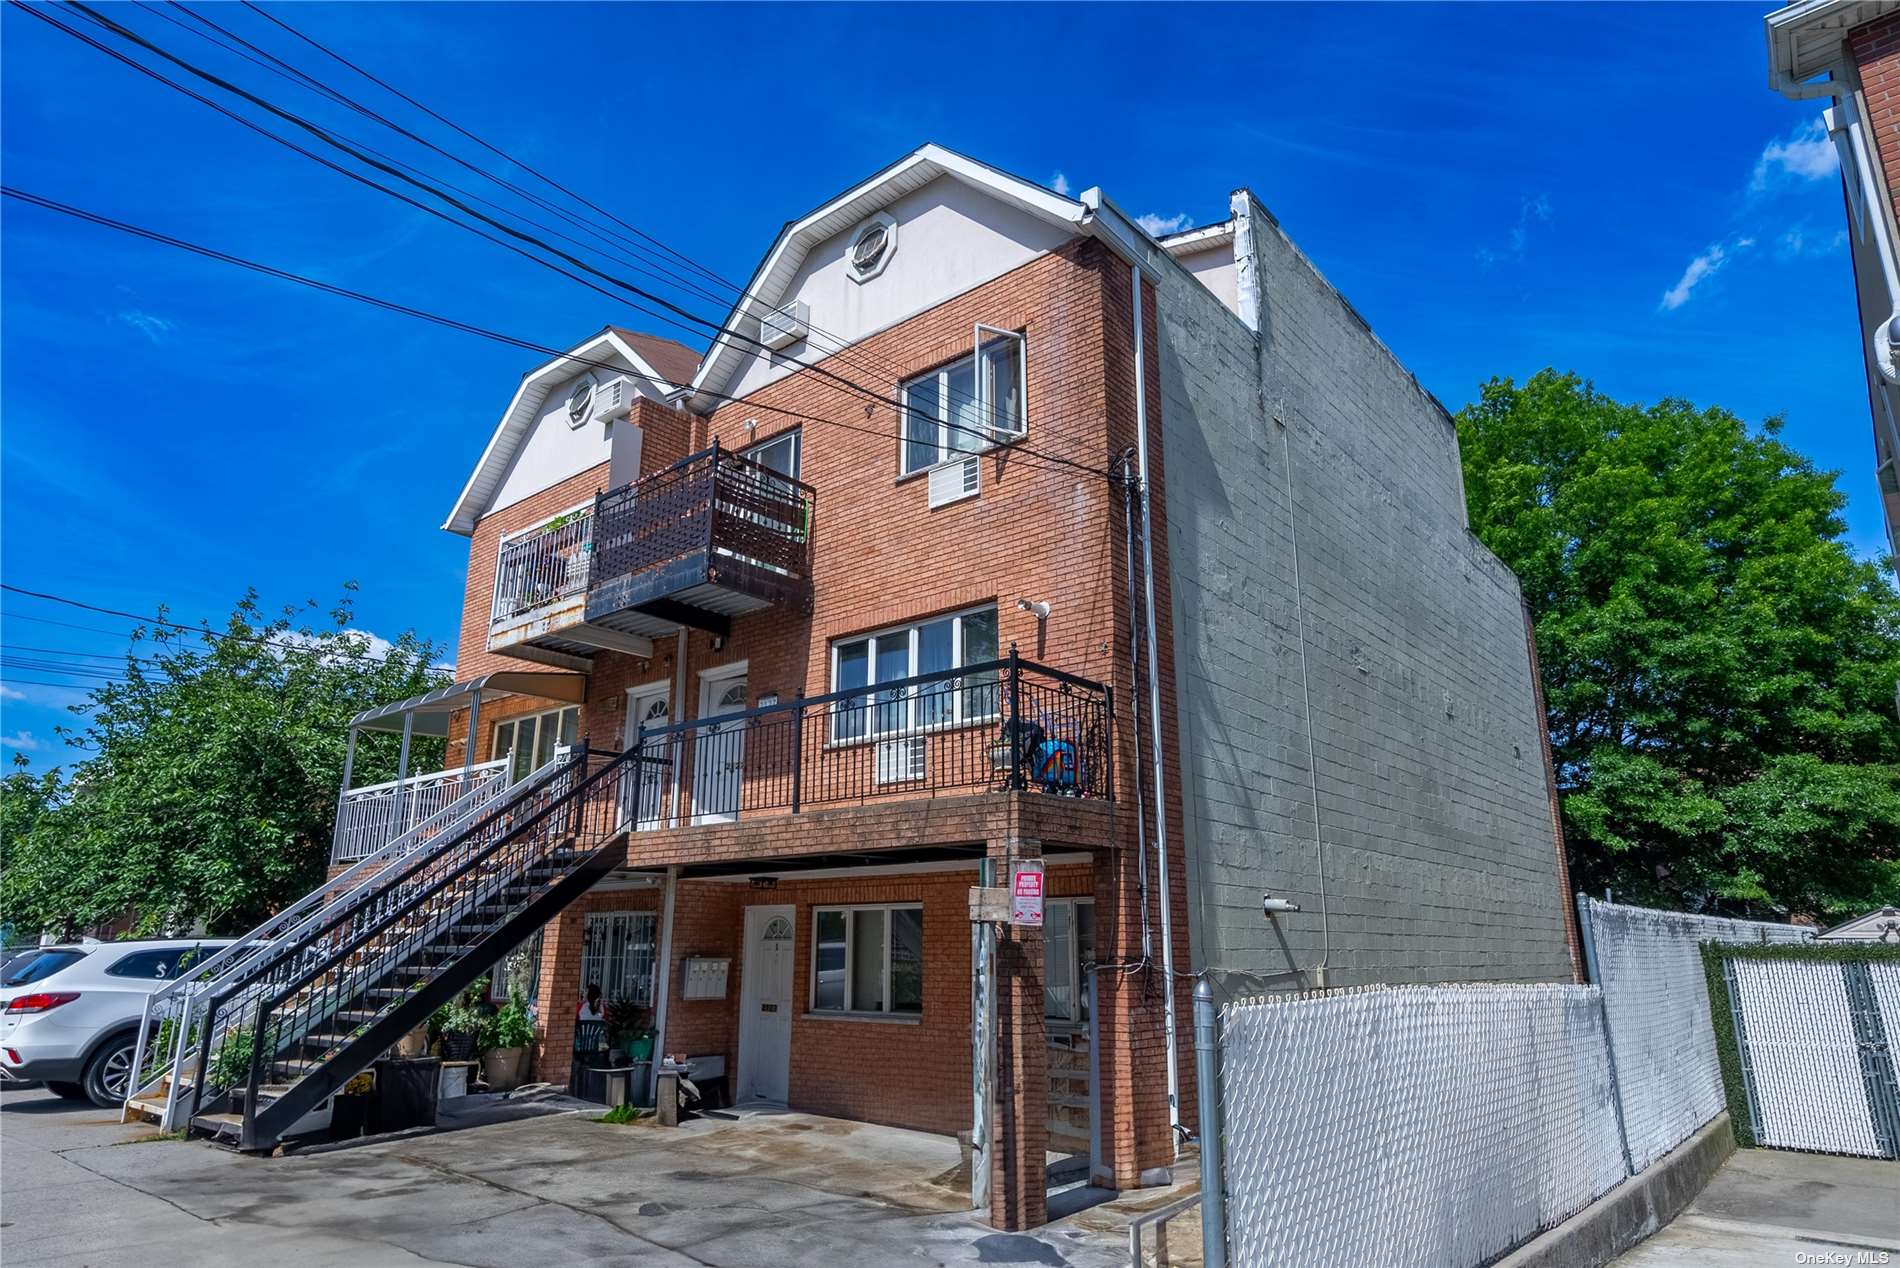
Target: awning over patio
(430,711)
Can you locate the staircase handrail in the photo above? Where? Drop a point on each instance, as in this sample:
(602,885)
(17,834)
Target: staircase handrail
(348,887)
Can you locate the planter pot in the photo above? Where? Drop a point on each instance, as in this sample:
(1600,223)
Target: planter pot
(501,1068)
(458,1047)
(414,1044)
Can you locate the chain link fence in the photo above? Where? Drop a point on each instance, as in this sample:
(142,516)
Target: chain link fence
(1446,1125)
(1410,1125)
(1810,1048)
(1656,1005)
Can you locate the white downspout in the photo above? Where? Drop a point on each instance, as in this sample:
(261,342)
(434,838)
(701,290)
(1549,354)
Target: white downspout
(1154,720)
(1844,117)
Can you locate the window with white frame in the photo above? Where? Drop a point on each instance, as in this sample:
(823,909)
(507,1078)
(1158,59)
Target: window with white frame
(947,642)
(966,406)
(868,960)
(530,741)
(778,454)
(617,954)
(1068,944)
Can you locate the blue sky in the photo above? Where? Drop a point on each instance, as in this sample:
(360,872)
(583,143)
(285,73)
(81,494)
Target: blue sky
(1613,190)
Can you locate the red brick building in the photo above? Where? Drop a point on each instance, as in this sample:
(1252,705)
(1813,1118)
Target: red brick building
(974,538)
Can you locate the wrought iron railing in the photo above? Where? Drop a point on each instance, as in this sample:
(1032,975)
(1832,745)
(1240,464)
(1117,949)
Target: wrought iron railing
(173,1023)
(359,966)
(370,817)
(1000,725)
(537,568)
(750,522)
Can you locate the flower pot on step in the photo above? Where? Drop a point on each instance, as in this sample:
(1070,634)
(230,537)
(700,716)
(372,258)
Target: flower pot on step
(502,1068)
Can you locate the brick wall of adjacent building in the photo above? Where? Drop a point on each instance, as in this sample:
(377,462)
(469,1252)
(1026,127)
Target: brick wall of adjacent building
(1876,52)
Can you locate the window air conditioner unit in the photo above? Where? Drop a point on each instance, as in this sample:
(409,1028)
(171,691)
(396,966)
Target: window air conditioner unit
(783,327)
(954,481)
(613,399)
(900,761)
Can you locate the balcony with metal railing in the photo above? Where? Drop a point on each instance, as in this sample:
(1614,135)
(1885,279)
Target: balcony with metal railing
(711,538)
(1007,725)
(539,611)
(370,817)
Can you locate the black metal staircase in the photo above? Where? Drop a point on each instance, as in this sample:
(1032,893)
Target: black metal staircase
(275,1045)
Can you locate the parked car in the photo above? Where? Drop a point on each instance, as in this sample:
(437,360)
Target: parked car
(69,1013)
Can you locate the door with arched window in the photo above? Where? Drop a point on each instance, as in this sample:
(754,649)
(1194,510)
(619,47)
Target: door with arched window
(765,1005)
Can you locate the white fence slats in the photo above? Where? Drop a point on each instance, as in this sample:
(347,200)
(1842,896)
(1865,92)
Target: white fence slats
(1802,1056)
(1655,992)
(1413,1126)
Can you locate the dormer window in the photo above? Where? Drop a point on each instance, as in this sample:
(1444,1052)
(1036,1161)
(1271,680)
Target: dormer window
(871,247)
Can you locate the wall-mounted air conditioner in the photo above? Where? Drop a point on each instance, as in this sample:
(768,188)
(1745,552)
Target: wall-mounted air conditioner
(613,399)
(954,481)
(783,327)
(900,761)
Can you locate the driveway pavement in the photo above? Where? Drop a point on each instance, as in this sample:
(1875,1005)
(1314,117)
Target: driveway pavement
(781,1190)
(1773,1206)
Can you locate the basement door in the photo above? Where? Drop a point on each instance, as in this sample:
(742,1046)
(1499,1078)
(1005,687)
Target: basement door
(765,1005)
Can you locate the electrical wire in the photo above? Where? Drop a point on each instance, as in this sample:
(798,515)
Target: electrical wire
(329,288)
(681,315)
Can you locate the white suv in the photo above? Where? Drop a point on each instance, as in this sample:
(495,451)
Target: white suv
(69,1014)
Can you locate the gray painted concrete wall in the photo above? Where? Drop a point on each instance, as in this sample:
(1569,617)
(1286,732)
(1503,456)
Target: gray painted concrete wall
(1438,855)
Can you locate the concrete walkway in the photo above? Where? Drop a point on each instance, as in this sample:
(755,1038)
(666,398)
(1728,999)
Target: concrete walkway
(785,1189)
(1772,1206)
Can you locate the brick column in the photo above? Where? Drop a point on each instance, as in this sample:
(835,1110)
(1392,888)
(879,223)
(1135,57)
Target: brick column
(1019,1117)
(1130,1018)
(559,997)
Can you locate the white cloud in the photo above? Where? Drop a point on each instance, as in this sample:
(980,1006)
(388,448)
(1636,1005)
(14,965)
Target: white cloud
(1802,240)
(1530,211)
(1161,226)
(1059,183)
(22,740)
(374,645)
(1806,155)
(10,693)
(151,325)
(1700,270)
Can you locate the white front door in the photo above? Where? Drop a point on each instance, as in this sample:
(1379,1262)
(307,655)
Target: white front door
(649,707)
(765,1005)
(719,752)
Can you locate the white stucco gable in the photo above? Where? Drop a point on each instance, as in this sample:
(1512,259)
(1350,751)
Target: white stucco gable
(955,223)
(536,445)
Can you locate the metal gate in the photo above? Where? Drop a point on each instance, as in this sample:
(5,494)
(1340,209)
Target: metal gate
(1815,1045)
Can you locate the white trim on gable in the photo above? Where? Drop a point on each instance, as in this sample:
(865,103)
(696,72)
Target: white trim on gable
(764,291)
(517,421)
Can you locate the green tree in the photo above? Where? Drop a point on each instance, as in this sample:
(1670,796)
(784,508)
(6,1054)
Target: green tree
(211,787)
(1719,668)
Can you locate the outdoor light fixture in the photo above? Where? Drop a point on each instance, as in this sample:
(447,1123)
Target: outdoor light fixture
(1272,906)
(1040,610)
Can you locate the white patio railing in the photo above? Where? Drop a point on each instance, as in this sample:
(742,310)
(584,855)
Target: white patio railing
(544,564)
(371,817)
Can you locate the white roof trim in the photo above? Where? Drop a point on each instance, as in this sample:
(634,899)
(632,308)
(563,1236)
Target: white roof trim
(518,419)
(1847,930)
(1194,241)
(795,241)
(1804,39)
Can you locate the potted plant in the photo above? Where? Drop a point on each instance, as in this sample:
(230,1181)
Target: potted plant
(626,1022)
(506,1037)
(458,1023)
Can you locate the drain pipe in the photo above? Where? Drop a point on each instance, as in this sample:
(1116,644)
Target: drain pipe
(1850,137)
(1134,669)
(1154,717)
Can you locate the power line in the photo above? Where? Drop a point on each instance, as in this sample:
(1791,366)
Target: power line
(208,633)
(120,657)
(152,235)
(888,366)
(331,140)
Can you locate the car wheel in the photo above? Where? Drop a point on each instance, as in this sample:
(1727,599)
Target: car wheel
(67,1091)
(110,1070)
